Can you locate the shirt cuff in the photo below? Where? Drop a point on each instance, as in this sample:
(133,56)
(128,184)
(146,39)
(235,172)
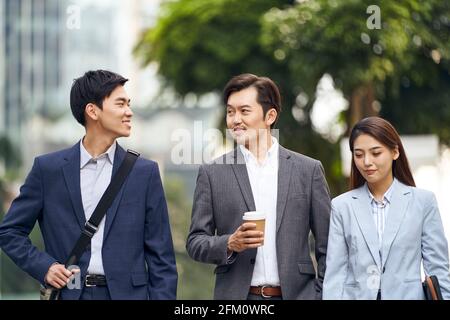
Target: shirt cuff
(232,257)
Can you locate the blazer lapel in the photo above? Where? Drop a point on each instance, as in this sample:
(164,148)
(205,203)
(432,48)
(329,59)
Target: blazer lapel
(284,178)
(401,196)
(112,211)
(363,213)
(71,171)
(240,171)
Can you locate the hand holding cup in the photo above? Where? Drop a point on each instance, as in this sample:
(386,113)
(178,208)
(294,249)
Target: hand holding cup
(250,234)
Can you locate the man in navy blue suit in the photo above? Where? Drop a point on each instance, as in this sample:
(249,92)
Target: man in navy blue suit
(131,255)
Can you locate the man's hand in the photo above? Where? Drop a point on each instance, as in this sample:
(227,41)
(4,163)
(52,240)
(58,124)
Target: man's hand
(245,237)
(58,276)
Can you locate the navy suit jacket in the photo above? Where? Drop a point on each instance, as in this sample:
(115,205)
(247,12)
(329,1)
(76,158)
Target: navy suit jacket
(138,255)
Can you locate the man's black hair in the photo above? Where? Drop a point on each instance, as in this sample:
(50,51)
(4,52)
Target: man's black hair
(92,87)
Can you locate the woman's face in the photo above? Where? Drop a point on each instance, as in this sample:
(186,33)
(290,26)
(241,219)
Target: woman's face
(373,159)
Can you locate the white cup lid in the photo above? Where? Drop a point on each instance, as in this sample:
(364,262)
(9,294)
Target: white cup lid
(254,215)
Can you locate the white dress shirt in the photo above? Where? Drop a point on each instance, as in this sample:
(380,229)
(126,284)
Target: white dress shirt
(95,176)
(264,184)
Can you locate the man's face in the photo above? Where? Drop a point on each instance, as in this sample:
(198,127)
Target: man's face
(115,116)
(245,116)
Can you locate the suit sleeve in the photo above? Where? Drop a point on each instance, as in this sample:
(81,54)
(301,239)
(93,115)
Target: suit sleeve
(18,224)
(320,219)
(202,242)
(337,259)
(159,252)
(435,248)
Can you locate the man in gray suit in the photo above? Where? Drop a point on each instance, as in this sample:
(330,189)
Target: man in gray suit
(260,175)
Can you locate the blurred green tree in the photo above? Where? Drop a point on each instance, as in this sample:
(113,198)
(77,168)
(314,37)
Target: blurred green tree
(399,69)
(191,272)
(200,44)
(9,155)
(10,163)
(13,281)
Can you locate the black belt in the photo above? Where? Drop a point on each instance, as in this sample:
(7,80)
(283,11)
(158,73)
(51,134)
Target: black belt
(95,280)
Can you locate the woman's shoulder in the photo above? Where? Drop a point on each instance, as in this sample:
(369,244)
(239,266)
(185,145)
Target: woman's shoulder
(421,198)
(423,195)
(345,198)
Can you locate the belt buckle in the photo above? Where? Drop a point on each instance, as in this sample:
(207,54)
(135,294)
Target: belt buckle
(86,282)
(262,292)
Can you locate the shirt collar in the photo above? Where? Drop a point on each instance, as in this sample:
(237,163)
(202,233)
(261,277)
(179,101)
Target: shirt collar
(85,156)
(387,195)
(271,156)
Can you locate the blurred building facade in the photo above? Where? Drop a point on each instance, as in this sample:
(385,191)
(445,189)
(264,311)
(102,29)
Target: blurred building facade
(48,43)
(30,63)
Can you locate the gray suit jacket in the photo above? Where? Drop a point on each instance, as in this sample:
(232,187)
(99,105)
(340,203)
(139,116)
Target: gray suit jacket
(223,194)
(413,235)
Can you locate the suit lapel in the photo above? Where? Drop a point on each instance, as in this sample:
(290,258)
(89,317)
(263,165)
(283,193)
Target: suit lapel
(363,213)
(401,196)
(112,211)
(284,178)
(71,171)
(240,171)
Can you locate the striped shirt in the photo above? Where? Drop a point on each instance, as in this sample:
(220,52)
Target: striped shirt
(380,210)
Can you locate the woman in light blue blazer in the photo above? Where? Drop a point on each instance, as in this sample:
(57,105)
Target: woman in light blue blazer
(384,228)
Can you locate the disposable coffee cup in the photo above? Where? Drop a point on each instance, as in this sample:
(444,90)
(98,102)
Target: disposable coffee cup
(259,218)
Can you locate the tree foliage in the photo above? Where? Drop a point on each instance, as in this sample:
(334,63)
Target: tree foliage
(400,70)
(410,49)
(199,45)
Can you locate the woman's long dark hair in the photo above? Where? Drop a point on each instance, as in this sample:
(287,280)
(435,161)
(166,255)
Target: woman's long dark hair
(382,131)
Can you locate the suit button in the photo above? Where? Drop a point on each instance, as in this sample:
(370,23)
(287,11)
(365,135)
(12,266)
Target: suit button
(384,269)
(252,261)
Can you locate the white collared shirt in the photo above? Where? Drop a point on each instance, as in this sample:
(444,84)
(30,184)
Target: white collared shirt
(264,183)
(380,210)
(95,176)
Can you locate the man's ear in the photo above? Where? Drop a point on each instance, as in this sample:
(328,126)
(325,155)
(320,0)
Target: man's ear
(91,111)
(271,116)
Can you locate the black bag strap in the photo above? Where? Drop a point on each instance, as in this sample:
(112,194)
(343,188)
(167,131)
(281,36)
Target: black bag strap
(91,226)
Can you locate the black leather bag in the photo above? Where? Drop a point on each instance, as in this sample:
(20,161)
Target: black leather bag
(431,288)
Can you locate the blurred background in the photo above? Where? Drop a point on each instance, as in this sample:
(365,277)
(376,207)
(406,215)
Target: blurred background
(336,61)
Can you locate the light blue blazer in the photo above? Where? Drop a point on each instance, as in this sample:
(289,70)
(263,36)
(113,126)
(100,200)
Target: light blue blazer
(413,234)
